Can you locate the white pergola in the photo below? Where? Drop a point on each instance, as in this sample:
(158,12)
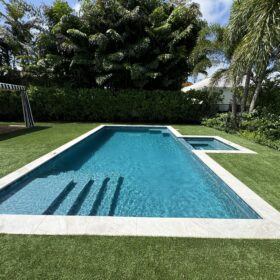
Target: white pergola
(27,113)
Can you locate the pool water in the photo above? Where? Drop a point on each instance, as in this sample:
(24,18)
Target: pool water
(125,171)
(207,143)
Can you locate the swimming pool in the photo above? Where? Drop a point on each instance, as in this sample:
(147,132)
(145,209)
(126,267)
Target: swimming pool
(125,171)
(208,143)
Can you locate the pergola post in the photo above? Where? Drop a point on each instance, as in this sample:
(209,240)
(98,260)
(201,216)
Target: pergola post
(26,108)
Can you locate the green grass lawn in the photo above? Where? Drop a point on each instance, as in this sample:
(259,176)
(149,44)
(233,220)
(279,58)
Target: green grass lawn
(84,257)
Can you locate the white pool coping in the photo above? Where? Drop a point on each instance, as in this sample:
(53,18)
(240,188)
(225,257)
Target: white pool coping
(266,228)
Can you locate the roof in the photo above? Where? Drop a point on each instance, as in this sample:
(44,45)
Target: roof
(207,83)
(4,86)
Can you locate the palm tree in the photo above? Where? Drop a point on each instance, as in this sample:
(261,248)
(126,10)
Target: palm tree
(257,23)
(16,34)
(209,50)
(212,48)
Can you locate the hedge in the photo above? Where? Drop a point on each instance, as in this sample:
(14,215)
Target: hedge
(260,126)
(100,105)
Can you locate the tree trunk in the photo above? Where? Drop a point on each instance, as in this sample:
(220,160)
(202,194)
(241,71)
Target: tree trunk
(234,110)
(234,106)
(246,91)
(256,93)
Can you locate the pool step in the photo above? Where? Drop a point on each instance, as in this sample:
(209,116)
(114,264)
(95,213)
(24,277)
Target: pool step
(155,131)
(73,198)
(115,197)
(105,202)
(99,197)
(76,206)
(165,134)
(59,199)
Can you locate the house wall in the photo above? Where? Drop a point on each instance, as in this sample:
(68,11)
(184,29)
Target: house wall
(224,105)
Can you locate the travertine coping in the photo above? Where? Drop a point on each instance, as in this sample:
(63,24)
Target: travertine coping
(267,227)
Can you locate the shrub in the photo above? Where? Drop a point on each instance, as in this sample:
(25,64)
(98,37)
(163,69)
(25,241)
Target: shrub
(10,106)
(262,122)
(260,126)
(99,105)
(270,96)
(221,122)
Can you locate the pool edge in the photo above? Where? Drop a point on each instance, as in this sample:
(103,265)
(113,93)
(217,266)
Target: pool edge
(267,227)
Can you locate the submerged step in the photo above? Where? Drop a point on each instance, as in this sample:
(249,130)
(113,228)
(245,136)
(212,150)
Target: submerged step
(165,134)
(155,131)
(116,196)
(75,208)
(108,204)
(99,197)
(60,198)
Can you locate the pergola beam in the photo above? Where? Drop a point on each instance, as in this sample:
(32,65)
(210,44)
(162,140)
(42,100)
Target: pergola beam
(27,113)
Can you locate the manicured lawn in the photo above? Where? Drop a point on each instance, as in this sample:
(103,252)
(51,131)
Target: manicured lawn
(19,148)
(83,257)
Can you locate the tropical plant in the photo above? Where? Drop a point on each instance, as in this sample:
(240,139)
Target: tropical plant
(250,43)
(119,43)
(17,36)
(211,49)
(260,126)
(257,23)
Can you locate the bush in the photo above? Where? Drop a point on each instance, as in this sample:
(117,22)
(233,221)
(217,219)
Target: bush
(221,122)
(99,105)
(263,123)
(10,106)
(270,96)
(259,126)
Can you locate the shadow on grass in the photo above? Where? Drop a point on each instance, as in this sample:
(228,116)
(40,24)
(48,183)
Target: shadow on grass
(20,132)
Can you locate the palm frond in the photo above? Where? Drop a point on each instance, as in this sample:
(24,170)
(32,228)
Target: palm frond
(101,80)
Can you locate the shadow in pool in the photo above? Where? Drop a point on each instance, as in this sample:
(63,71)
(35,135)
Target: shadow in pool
(75,208)
(116,196)
(81,152)
(99,197)
(59,199)
(12,189)
(21,132)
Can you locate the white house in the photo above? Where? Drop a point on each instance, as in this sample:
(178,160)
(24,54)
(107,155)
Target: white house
(222,85)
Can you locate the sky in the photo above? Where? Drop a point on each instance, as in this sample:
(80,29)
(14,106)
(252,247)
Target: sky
(214,11)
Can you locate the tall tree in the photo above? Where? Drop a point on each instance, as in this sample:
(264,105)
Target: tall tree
(123,43)
(53,60)
(17,38)
(212,49)
(260,43)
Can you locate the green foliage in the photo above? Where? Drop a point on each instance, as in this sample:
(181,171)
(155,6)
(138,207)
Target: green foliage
(260,32)
(259,126)
(254,32)
(263,123)
(67,104)
(18,23)
(10,106)
(210,49)
(118,44)
(270,96)
(222,122)
(58,9)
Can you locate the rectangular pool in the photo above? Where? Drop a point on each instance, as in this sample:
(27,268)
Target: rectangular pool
(208,143)
(125,171)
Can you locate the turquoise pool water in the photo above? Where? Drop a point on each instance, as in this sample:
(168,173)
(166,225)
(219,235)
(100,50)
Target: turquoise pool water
(118,171)
(207,143)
